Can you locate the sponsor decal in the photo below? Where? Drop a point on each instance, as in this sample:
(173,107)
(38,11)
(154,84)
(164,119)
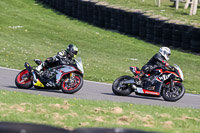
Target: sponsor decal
(50,84)
(158,79)
(140,90)
(151,92)
(164,77)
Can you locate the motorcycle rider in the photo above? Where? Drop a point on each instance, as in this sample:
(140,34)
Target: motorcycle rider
(158,60)
(64,57)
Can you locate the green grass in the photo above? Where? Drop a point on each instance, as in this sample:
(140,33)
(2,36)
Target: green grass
(166,9)
(29,31)
(75,113)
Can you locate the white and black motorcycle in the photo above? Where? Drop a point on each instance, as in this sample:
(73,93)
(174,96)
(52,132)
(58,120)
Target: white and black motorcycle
(166,83)
(68,78)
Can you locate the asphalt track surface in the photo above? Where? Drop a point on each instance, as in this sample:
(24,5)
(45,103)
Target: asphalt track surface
(96,91)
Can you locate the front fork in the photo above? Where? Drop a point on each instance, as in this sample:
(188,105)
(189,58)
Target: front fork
(71,77)
(171,84)
(34,76)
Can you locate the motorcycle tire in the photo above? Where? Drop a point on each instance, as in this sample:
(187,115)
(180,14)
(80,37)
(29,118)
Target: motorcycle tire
(125,91)
(76,86)
(26,84)
(168,95)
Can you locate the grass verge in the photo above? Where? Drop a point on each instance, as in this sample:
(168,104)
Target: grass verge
(29,30)
(75,113)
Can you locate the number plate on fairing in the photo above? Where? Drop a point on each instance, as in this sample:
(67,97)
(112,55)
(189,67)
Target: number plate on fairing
(140,90)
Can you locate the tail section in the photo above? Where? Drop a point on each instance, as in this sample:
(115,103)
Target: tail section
(135,70)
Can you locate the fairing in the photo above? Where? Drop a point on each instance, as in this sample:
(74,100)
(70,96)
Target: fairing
(179,71)
(64,70)
(79,64)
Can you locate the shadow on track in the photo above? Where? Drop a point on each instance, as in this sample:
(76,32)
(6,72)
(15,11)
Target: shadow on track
(34,89)
(137,96)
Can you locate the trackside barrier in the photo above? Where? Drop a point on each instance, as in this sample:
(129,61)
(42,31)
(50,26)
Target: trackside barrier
(153,29)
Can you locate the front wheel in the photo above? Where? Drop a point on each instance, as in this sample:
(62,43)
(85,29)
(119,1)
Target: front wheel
(71,86)
(173,94)
(23,80)
(121,89)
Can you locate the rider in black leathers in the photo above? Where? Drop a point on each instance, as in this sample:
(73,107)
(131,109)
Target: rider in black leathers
(158,60)
(64,57)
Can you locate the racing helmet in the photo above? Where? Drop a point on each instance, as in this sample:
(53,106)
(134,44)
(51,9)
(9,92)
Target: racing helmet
(72,50)
(165,52)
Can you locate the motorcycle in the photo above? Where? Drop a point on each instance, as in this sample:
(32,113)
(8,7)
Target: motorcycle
(68,78)
(166,83)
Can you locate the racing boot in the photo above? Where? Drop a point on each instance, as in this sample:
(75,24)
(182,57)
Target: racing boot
(39,68)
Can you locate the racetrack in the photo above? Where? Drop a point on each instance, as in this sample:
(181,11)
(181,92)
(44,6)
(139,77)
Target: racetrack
(96,91)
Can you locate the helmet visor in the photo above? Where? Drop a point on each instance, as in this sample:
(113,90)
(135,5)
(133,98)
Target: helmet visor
(168,54)
(75,52)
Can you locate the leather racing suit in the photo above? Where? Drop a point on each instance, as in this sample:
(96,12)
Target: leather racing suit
(62,58)
(156,61)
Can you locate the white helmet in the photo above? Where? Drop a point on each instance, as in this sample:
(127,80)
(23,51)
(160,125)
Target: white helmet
(165,52)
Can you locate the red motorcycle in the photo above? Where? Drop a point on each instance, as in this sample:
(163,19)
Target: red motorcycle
(166,83)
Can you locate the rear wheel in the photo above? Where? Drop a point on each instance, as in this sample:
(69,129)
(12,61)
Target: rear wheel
(23,80)
(71,86)
(173,94)
(121,89)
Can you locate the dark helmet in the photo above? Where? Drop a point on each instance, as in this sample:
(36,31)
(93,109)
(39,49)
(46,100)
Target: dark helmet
(72,50)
